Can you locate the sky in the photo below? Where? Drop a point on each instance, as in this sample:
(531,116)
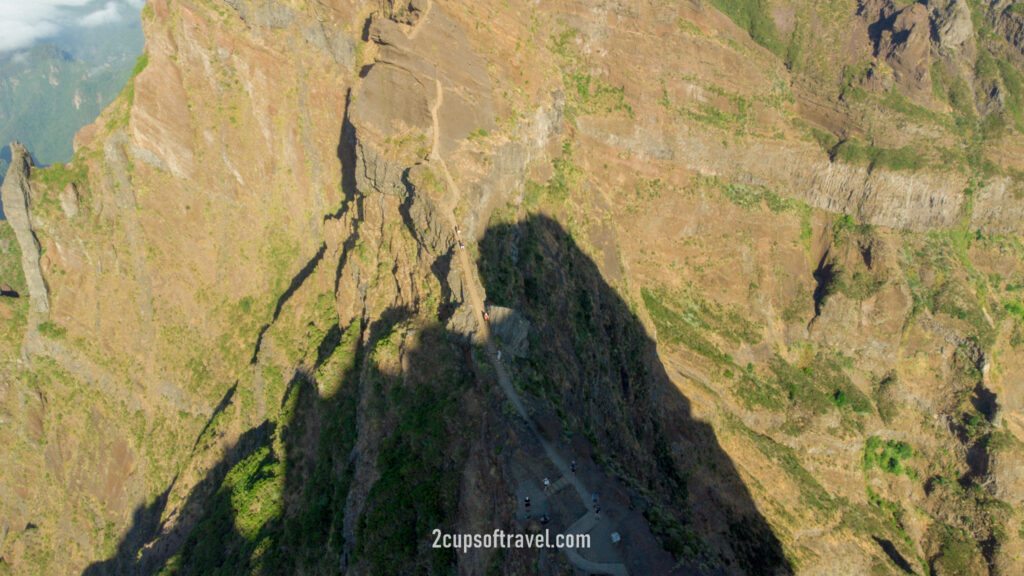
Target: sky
(27,22)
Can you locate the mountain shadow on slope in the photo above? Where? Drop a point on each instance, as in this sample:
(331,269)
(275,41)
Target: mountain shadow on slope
(401,392)
(592,363)
(276,502)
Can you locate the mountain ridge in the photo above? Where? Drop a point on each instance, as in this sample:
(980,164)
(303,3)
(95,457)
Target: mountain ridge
(769,298)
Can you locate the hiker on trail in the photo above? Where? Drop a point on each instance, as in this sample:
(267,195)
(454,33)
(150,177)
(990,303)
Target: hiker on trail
(547,484)
(595,498)
(499,355)
(572,466)
(544,518)
(597,512)
(487,317)
(526,504)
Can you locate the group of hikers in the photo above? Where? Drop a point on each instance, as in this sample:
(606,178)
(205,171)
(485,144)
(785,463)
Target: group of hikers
(544,518)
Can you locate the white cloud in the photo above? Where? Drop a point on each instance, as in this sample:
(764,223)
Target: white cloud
(106,15)
(25,22)
(15,34)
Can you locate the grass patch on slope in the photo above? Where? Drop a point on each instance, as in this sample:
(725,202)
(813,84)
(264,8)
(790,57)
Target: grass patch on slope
(675,328)
(586,93)
(888,456)
(754,17)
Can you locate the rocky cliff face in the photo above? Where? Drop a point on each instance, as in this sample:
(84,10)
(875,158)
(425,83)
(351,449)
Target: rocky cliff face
(767,300)
(17,198)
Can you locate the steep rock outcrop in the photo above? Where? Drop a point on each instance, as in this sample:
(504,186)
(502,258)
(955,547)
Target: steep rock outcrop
(1011,23)
(906,47)
(160,119)
(17,201)
(512,328)
(954,30)
(264,12)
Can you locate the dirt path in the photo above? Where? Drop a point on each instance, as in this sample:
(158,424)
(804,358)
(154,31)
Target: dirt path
(586,522)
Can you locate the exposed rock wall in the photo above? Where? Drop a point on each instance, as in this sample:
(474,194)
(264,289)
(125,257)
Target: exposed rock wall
(17,199)
(903,199)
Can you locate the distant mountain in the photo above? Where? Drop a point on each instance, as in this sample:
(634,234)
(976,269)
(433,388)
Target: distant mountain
(50,91)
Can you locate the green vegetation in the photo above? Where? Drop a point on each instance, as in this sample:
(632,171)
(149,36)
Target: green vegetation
(52,330)
(958,95)
(58,176)
(675,328)
(566,177)
(884,393)
(1013,81)
(708,315)
(985,67)
(819,385)
(754,391)
(856,280)
(878,517)
(937,76)
(140,65)
(414,493)
(688,27)
(849,86)
(248,500)
(11,274)
(586,93)
(754,17)
(753,197)
(714,116)
(731,112)
(678,538)
(860,285)
(954,287)
(281,505)
(413,143)
(649,188)
(913,112)
(958,554)
(812,494)
(852,151)
(888,456)
(826,140)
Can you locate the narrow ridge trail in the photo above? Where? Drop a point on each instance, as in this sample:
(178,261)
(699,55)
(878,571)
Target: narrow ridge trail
(586,522)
